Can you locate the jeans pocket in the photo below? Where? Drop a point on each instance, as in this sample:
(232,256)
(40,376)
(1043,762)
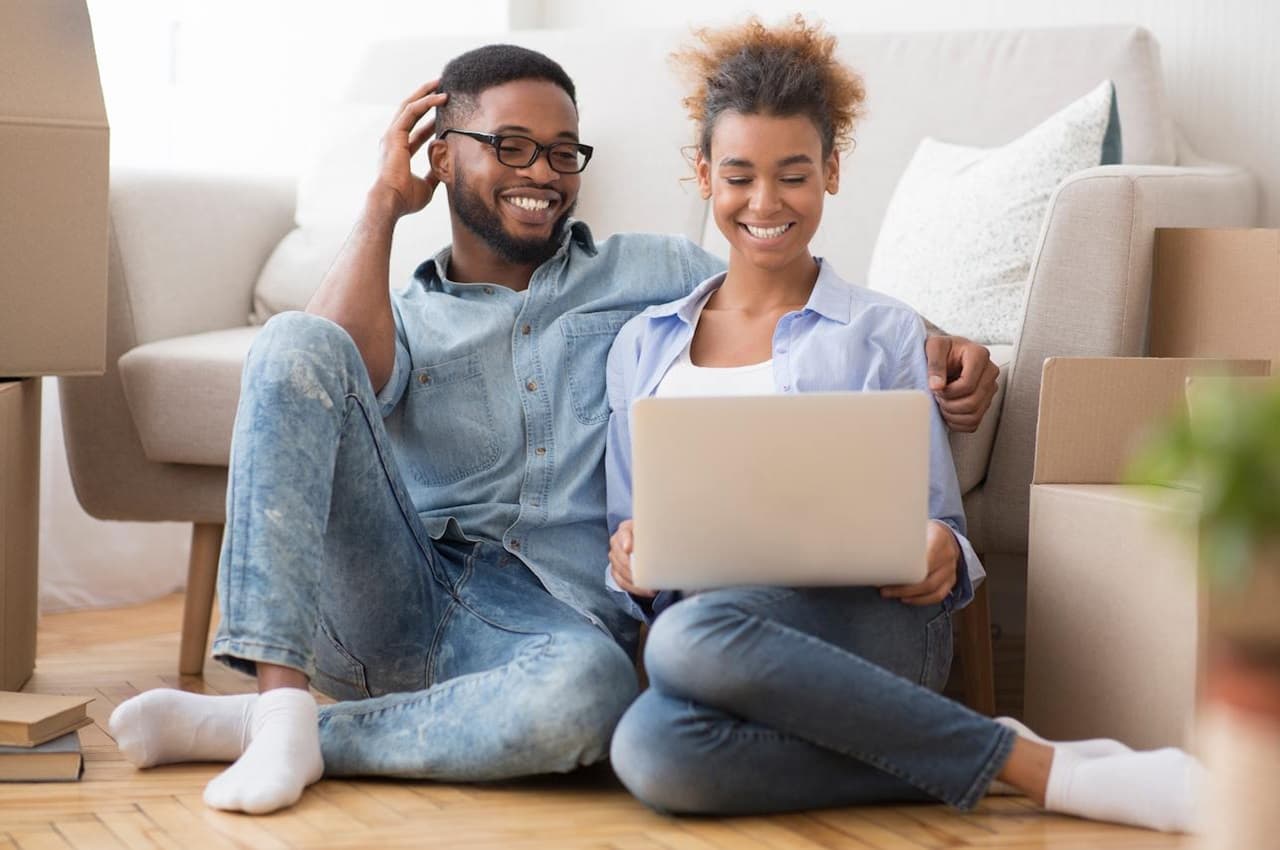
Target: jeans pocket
(937,652)
(338,673)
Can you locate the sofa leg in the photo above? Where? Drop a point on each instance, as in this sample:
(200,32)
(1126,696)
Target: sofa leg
(975,654)
(202,578)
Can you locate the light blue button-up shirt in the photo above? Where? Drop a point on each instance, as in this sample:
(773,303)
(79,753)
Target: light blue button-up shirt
(846,338)
(496,405)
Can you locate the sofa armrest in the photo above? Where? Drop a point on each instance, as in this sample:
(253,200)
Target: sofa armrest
(185,253)
(190,247)
(1088,296)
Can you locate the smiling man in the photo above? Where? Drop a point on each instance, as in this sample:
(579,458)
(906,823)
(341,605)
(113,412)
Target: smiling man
(416,504)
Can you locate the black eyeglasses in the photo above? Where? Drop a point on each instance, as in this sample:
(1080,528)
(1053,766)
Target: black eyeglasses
(522,151)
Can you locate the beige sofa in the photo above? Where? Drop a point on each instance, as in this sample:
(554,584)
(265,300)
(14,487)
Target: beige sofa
(150,439)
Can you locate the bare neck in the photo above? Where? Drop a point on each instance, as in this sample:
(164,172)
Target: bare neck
(472,260)
(751,289)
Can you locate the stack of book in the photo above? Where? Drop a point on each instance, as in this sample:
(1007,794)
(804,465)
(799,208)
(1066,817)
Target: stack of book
(38,739)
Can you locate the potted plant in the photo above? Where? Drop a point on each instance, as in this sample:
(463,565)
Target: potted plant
(1228,447)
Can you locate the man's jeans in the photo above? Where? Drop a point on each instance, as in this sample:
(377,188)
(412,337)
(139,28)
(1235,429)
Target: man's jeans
(453,660)
(776,699)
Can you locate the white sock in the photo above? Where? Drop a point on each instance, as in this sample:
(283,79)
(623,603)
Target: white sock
(164,725)
(1090,748)
(282,759)
(1156,789)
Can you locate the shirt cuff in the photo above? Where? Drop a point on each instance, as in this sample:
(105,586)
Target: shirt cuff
(644,610)
(969,573)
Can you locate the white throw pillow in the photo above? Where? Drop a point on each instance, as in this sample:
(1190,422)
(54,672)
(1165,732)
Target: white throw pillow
(963,224)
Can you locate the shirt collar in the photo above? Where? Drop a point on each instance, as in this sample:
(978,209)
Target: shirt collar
(831,297)
(432,272)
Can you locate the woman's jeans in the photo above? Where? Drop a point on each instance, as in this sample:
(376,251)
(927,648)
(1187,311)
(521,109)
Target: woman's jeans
(453,660)
(774,699)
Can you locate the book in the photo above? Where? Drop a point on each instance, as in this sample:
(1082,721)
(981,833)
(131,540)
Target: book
(58,760)
(28,720)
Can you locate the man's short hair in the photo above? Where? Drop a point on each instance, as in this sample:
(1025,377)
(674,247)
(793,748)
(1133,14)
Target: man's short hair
(466,76)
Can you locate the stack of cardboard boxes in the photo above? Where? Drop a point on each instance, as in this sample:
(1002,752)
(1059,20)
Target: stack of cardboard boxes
(53,269)
(1114,601)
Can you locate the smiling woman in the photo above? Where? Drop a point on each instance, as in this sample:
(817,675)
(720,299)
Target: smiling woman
(834,689)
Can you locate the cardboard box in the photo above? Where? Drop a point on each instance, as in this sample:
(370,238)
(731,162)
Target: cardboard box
(1216,293)
(53,192)
(19,528)
(1114,610)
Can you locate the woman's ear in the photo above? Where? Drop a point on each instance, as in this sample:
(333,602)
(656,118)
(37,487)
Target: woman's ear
(440,159)
(832,172)
(703,170)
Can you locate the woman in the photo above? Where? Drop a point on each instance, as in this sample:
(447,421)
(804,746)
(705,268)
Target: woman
(770,699)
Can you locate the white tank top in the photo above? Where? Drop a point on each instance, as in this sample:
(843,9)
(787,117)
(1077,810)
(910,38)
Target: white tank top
(686,379)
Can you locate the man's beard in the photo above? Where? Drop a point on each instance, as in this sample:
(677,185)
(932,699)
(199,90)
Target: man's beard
(487,224)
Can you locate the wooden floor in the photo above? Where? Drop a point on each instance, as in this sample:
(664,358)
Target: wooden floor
(115,654)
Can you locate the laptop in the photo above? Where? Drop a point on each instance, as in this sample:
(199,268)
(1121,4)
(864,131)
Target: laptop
(793,490)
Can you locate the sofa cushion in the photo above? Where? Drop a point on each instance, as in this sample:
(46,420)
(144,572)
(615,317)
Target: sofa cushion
(183,393)
(961,230)
(972,452)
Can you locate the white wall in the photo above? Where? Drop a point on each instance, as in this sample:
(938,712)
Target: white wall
(241,85)
(1222,59)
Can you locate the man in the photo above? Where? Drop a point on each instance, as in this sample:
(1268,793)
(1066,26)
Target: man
(432,553)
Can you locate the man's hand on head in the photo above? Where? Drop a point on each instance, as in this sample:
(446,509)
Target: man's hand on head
(962,378)
(408,192)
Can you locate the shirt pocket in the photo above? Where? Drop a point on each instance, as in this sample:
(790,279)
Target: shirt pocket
(450,417)
(587,337)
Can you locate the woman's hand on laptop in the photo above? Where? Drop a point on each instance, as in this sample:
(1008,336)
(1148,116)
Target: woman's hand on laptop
(620,546)
(942,553)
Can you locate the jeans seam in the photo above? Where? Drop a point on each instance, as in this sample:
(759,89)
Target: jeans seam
(354,708)
(411,518)
(879,764)
(436,639)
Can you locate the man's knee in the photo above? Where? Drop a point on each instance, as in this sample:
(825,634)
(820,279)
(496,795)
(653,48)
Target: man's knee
(304,356)
(583,690)
(293,334)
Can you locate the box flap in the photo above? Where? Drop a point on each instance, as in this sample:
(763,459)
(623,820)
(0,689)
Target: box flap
(48,68)
(1094,411)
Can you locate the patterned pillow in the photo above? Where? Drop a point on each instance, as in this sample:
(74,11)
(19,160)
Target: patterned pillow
(963,224)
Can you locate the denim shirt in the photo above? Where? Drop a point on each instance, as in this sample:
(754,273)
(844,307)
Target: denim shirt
(496,405)
(846,338)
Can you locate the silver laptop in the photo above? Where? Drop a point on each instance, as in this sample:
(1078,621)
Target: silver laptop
(809,489)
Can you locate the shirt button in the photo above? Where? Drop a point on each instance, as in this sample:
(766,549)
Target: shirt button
(515,544)
(526,330)
(424,378)
(539,451)
(488,290)
(531,386)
